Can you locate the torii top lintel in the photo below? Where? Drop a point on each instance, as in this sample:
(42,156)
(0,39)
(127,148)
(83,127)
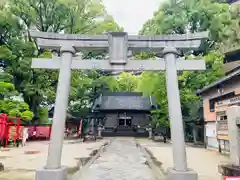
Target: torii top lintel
(134,42)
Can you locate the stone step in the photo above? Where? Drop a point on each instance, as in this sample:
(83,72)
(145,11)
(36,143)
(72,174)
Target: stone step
(122,133)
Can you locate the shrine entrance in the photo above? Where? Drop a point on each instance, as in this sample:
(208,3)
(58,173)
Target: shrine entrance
(125,126)
(125,121)
(168,50)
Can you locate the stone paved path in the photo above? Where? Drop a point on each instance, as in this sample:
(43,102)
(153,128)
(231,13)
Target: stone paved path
(121,160)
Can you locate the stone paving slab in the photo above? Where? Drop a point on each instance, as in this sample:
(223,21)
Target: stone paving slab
(121,160)
(22,166)
(203,161)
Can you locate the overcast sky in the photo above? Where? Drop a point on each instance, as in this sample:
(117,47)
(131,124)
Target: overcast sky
(131,14)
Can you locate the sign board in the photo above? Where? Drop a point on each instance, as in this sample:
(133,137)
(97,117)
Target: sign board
(231,178)
(235,99)
(228,101)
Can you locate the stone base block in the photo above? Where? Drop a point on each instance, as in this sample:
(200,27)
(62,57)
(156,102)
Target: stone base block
(178,175)
(51,174)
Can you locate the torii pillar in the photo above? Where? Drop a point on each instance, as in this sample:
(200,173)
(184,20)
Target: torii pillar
(53,169)
(180,170)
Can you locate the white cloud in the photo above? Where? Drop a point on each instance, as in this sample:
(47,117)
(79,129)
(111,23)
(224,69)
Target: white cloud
(131,14)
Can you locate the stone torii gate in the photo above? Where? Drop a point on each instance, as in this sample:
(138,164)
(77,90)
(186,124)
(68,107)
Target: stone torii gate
(118,45)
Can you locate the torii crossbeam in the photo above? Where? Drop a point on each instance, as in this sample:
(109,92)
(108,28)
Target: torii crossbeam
(118,45)
(132,65)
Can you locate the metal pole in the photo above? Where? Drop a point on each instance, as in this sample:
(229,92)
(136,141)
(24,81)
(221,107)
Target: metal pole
(60,110)
(174,108)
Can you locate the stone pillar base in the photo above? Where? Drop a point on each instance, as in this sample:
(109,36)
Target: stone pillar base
(178,175)
(51,174)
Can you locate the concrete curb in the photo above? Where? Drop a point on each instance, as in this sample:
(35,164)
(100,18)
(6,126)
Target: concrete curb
(82,169)
(190,145)
(157,171)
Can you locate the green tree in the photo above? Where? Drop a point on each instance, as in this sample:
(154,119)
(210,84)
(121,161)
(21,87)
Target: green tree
(231,34)
(43,114)
(38,87)
(185,16)
(153,84)
(193,16)
(16,109)
(127,82)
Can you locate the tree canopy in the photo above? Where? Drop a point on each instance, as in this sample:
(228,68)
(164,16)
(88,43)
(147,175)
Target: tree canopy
(38,87)
(190,16)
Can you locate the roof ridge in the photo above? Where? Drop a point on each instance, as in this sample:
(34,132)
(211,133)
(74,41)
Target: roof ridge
(219,81)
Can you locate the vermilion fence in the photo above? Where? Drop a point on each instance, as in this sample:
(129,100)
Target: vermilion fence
(39,131)
(3,124)
(10,129)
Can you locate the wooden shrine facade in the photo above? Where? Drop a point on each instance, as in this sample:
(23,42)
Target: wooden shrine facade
(124,113)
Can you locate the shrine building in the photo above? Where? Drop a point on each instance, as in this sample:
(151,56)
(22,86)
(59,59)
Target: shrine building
(124,113)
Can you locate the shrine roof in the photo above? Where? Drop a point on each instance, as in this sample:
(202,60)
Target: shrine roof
(124,101)
(232,55)
(218,82)
(232,1)
(229,56)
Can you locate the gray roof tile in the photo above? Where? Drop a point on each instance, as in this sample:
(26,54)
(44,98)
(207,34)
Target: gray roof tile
(115,102)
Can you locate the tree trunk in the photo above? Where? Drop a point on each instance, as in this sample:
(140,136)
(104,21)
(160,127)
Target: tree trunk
(194,135)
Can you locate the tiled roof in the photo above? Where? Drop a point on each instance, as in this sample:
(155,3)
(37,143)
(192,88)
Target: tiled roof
(233,1)
(121,102)
(220,81)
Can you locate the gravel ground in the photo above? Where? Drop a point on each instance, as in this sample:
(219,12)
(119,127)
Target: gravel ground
(20,165)
(204,162)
